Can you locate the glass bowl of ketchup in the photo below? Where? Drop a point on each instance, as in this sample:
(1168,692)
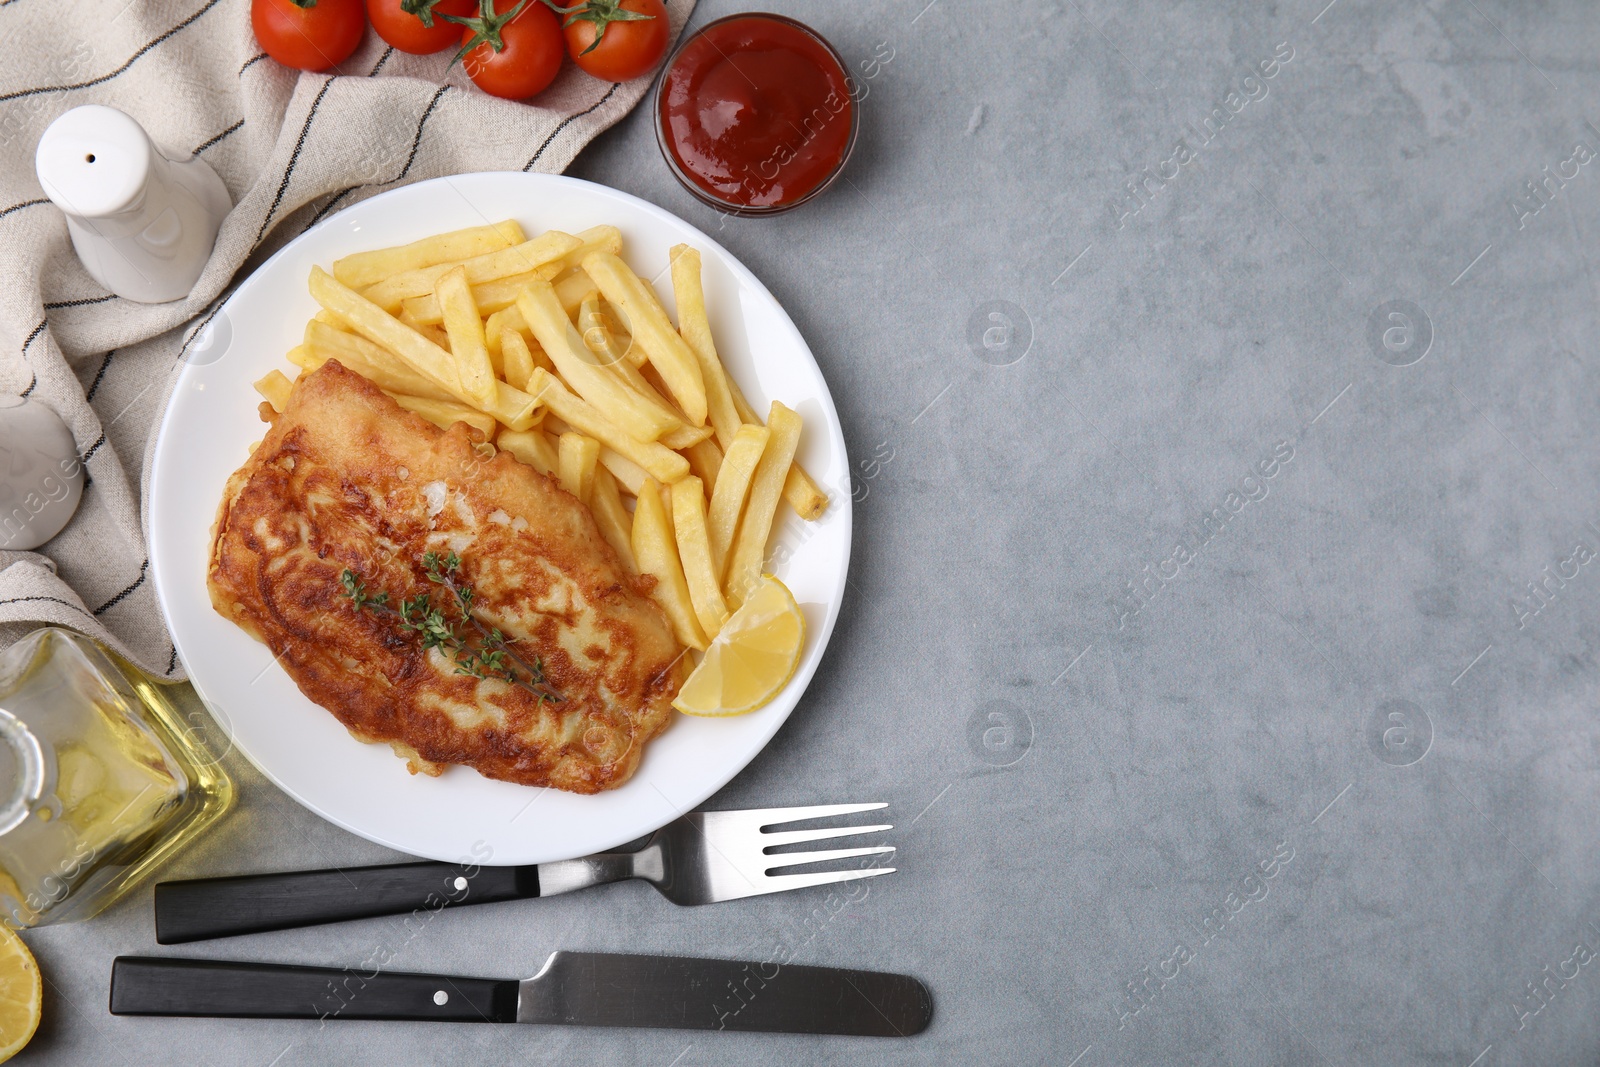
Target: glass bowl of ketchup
(755,115)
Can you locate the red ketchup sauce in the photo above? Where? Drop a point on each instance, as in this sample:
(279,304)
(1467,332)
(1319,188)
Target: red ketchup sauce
(755,112)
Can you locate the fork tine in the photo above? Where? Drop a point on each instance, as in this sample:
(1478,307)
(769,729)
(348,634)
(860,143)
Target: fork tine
(778,883)
(778,816)
(795,859)
(794,837)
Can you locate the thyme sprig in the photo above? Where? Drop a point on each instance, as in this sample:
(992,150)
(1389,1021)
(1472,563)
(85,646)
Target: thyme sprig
(476,650)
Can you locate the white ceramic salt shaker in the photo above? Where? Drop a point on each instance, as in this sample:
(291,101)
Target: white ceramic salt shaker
(41,476)
(143,220)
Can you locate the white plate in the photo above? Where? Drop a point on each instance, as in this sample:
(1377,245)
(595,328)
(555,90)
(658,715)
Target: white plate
(303,748)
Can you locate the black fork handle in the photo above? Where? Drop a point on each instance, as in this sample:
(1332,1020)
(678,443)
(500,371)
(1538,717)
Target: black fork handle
(250,904)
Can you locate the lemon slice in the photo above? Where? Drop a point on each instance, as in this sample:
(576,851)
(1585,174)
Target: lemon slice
(752,658)
(21,992)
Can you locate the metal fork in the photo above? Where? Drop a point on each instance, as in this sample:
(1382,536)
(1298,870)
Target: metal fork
(701,858)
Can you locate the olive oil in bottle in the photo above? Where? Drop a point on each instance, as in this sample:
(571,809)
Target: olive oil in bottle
(101,777)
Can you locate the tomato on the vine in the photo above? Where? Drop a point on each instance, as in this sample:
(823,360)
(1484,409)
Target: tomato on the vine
(513,48)
(418,26)
(308,34)
(616,40)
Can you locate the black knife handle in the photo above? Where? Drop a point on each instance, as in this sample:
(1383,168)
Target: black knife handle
(251,904)
(146,985)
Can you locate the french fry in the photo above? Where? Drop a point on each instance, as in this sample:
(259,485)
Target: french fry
(683,435)
(629,474)
(686,437)
(432,333)
(560,340)
(376,325)
(633,353)
(576,457)
(733,485)
(274,388)
(658,461)
(572,288)
(705,461)
(572,284)
(304,357)
(747,414)
(749,550)
(666,503)
(596,333)
(668,353)
(518,259)
(808,501)
(368,268)
(492,296)
(446,413)
(621,339)
(695,329)
(422,310)
(465,330)
(701,571)
(532,447)
(652,378)
(493,327)
(493,331)
(616,524)
(656,551)
(514,408)
(597,338)
(515,358)
(514,320)
(508,320)
(372,361)
(682,438)
(602,238)
(541,358)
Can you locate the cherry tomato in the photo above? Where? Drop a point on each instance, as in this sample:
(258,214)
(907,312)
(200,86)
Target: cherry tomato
(529,56)
(308,34)
(399,23)
(628,47)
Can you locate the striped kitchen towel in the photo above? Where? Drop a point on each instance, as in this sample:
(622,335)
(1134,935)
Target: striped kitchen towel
(291,148)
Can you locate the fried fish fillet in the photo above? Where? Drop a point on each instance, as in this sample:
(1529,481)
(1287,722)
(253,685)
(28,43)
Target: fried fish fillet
(348,480)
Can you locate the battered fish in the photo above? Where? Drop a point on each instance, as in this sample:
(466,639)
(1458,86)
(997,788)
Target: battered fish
(346,480)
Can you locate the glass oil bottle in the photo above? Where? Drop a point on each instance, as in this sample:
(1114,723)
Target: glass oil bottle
(102,778)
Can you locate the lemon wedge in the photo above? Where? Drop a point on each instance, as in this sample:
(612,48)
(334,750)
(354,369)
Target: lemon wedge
(752,658)
(21,993)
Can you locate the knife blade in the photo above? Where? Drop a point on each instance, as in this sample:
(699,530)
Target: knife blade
(572,989)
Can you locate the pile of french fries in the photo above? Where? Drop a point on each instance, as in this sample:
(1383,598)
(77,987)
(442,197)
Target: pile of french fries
(558,353)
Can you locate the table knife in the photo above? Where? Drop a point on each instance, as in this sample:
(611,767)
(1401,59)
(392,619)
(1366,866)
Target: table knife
(572,989)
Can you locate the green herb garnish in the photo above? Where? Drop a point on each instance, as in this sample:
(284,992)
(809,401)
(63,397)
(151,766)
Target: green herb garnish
(477,651)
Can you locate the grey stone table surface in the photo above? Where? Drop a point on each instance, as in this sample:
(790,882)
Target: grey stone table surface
(1223,611)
